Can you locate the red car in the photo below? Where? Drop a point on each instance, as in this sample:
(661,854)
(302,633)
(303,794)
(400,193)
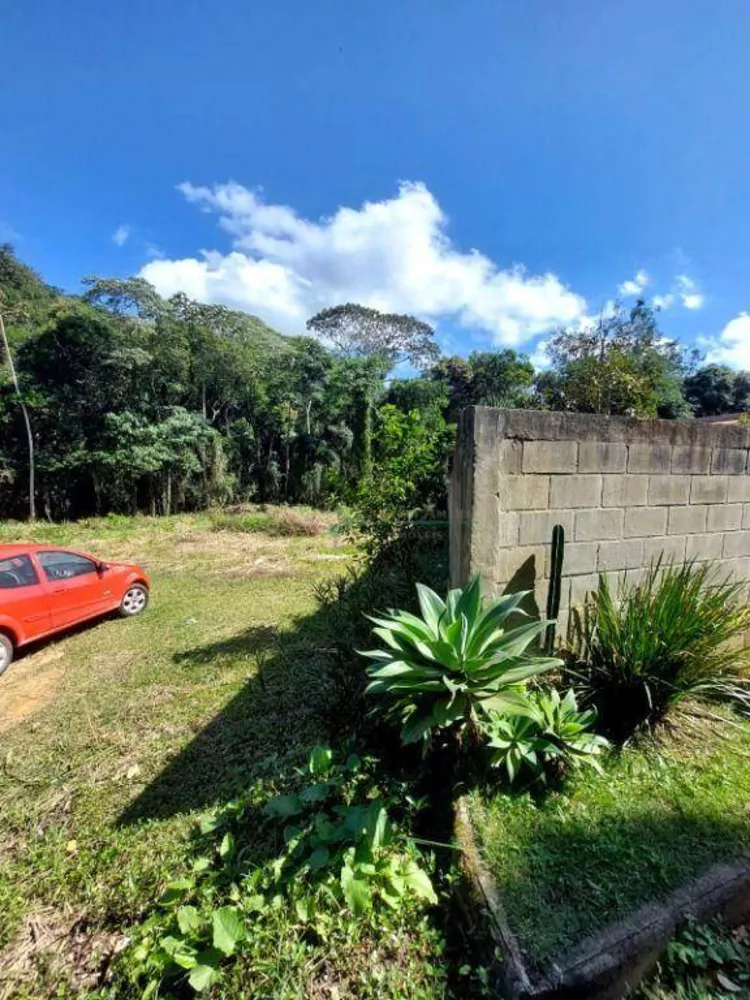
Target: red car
(44,589)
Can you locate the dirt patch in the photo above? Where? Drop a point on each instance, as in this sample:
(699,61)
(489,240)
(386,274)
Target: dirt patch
(51,947)
(28,685)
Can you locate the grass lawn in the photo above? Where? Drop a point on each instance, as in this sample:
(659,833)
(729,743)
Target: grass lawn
(568,865)
(113,740)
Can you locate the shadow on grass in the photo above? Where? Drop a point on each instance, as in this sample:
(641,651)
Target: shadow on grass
(576,876)
(307,688)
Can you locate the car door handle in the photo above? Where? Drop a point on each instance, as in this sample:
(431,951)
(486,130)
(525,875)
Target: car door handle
(59,590)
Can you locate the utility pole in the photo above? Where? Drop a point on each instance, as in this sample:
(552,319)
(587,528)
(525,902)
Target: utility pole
(27,422)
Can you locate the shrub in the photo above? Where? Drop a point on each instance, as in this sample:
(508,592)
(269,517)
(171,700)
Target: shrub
(553,733)
(456,664)
(409,481)
(337,829)
(671,637)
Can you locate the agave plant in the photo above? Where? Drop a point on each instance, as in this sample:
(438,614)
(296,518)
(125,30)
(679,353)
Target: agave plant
(673,636)
(554,730)
(457,663)
(568,729)
(516,743)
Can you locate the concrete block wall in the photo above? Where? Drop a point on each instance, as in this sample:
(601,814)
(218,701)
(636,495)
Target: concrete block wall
(625,491)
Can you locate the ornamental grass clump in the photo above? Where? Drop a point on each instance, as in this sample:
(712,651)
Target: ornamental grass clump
(674,637)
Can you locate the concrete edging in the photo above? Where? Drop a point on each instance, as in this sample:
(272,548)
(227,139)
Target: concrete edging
(621,954)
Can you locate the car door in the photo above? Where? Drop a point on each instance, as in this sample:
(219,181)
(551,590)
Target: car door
(23,598)
(76,589)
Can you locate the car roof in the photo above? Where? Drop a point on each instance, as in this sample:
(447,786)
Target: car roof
(19,548)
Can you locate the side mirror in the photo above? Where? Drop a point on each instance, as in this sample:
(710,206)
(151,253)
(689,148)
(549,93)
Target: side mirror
(101,568)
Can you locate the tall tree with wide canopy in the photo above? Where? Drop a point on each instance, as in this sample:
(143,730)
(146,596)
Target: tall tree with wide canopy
(360,332)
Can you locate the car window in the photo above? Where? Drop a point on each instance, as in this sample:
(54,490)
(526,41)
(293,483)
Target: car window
(18,571)
(65,565)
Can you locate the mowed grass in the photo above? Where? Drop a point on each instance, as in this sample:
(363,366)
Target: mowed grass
(567,865)
(115,739)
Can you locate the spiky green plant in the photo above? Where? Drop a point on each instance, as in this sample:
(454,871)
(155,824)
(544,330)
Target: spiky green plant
(455,664)
(654,644)
(553,731)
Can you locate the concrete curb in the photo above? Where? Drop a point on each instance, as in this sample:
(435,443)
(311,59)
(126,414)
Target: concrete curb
(620,955)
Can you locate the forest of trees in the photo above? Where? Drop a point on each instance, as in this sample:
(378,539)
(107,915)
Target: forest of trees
(124,401)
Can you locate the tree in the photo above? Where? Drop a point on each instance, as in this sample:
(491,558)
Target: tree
(412,451)
(456,375)
(358,331)
(143,403)
(500,378)
(715,389)
(622,364)
(27,422)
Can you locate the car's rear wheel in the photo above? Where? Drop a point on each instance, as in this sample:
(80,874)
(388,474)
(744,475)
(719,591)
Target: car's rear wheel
(6,652)
(134,600)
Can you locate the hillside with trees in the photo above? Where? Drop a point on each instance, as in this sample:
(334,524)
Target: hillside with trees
(137,403)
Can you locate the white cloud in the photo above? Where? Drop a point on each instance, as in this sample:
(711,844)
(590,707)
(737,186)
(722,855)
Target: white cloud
(732,346)
(539,357)
(693,301)
(393,254)
(663,301)
(635,286)
(688,291)
(121,235)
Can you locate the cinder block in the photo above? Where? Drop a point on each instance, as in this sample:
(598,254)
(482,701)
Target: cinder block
(671,549)
(724,517)
(602,456)
(739,489)
(581,587)
(645,521)
(704,548)
(746,515)
(536,527)
(737,569)
(649,457)
(595,524)
(634,577)
(506,531)
(668,489)
(620,555)
(624,491)
(731,461)
(709,489)
(575,491)
(691,458)
(524,492)
(563,629)
(564,594)
(688,520)
(509,455)
(736,543)
(550,456)
(527,562)
(580,557)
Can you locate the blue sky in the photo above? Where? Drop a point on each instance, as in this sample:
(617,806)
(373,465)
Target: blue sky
(496,167)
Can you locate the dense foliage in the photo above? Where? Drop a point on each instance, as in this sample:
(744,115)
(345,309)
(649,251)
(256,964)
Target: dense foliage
(140,403)
(621,365)
(340,856)
(137,403)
